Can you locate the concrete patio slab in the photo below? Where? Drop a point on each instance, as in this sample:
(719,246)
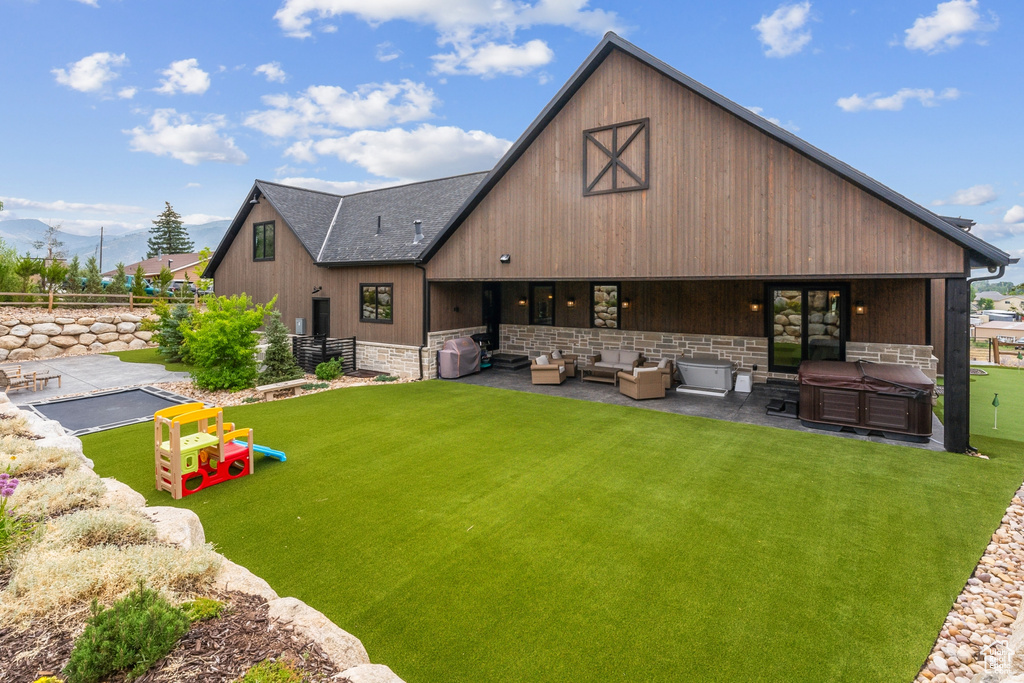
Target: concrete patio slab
(83,374)
(733,407)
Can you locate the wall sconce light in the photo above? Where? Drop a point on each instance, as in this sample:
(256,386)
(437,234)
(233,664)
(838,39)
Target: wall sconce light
(625,303)
(755,306)
(860,308)
(505,259)
(316,290)
(571,302)
(522,301)
(456,309)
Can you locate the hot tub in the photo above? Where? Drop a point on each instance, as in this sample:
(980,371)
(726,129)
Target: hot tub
(705,374)
(895,400)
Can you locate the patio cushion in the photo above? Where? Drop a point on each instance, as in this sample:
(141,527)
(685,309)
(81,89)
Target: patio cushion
(623,366)
(605,364)
(663,363)
(629,356)
(543,360)
(556,354)
(637,371)
(609,357)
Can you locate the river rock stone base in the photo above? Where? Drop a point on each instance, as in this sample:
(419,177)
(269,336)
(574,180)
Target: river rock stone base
(27,334)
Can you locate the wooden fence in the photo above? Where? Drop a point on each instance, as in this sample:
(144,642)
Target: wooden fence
(52,299)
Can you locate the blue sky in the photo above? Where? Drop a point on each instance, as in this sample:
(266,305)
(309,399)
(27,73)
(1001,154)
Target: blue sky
(111,107)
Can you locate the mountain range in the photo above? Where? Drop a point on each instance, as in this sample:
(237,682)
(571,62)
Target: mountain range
(129,247)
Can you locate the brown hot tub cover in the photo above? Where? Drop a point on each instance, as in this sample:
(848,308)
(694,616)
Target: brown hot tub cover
(458,357)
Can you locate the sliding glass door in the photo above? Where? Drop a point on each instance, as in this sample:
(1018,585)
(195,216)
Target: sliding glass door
(806,322)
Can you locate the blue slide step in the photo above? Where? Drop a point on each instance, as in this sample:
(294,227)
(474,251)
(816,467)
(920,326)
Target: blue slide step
(263,450)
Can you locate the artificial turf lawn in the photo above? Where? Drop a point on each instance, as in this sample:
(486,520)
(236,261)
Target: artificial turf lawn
(151,355)
(465,533)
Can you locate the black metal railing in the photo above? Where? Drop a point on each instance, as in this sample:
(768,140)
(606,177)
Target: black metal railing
(310,351)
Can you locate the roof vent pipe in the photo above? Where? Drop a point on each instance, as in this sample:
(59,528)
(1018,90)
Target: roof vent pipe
(378,225)
(418,236)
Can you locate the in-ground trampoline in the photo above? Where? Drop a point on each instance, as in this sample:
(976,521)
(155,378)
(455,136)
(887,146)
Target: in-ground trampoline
(106,409)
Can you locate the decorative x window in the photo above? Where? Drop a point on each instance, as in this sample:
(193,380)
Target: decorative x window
(616,158)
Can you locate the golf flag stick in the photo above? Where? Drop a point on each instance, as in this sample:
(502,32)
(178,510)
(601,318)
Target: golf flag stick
(995,412)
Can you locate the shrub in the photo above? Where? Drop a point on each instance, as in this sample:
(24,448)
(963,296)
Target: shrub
(170,338)
(252,399)
(269,671)
(278,362)
(52,496)
(14,529)
(202,609)
(131,636)
(119,285)
(314,385)
(385,378)
(220,343)
(329,370)
(101,526)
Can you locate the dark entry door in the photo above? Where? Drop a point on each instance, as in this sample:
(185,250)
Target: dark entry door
(492,311)
(806,322)
(321,317)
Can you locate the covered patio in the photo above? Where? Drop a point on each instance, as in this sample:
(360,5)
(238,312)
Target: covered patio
(734,407)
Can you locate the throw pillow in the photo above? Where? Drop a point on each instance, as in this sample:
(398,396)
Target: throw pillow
(543,360)
(557,355)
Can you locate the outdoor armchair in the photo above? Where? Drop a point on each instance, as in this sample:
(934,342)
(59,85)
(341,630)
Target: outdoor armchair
(566,359)
(543,371)
(667,367)
(642,383)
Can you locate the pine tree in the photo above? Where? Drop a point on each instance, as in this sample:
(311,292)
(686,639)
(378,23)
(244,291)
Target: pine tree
(93,279)
(162,283)
(139,282)
(25,269)
(74,279)
(168,235)
(119,285)
(278,362)
(170,336)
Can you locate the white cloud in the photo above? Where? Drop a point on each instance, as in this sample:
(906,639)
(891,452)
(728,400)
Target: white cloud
(90,3)
(323,109)
(991,232)
(895,102)
(61,205)
(127,93)
(334,186)
(425,152)
(386,52)
(184,76)
(91,226)
(789,125)
(1015,214)
(784,32)
(273,72)
(90,74)
(972,196)
(192,185)
(200,218)
(490,59)
(173,134)
(945,29)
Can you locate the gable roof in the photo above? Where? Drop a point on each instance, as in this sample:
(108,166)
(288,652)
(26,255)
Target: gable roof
(340,230)
(981,252)
(155,264)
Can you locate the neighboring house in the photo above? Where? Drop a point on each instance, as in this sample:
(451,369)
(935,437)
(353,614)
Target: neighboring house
(639,210)
(999,329)
(179,265)
(1013,302)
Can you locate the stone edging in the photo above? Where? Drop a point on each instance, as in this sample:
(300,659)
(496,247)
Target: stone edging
(183,528)
(37,337)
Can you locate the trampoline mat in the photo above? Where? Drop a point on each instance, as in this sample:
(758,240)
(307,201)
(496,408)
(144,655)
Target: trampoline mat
(106,410)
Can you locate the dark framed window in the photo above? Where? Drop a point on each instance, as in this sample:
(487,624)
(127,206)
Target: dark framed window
(604,304)
(375,303)
(617,158)
(542,303)
(263,241)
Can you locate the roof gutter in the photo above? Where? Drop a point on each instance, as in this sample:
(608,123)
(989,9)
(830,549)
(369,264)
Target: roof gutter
(426,316)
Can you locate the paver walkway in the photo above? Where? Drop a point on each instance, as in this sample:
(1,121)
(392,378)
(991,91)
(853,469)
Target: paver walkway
(82,374)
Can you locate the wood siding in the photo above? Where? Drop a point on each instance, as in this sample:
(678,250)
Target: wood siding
(939,322)
(725,200)
(292,275)
(445,297)
(897,311)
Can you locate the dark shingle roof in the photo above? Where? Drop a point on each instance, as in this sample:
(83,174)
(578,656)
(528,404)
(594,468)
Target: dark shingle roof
(307,212)
(354,237)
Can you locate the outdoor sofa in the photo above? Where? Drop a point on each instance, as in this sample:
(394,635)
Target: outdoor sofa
(617,359)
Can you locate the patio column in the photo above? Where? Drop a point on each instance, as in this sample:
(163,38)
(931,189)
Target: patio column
(957,367)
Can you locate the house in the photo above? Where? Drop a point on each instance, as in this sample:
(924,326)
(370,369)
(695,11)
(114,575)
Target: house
(641,210)
(178,264)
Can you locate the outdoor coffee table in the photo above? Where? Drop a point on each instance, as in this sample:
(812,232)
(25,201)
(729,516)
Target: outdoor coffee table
(593,373)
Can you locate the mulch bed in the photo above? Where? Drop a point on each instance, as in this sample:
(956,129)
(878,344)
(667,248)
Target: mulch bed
(215,651)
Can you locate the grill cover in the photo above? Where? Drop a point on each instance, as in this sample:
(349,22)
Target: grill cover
(458,357)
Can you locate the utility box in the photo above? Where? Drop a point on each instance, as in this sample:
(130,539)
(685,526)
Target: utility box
(744,381)
(300,326)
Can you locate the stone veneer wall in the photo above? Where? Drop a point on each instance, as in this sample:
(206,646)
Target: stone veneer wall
(48,335)
(436,340)
(745,352)
(404,361)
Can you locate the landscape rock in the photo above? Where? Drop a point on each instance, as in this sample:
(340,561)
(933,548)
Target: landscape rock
(116,346)
(10,342)
(126,338)
(105,319)
(370,673)
(126,328)
(130,318)
(97,346)
(121,495)
(77,350)
(107,337)
(144,335)
(48,351)
(102,327)
(43,318)
(3,356)
(21,330)
(34,341)
(177,526)
(63,341)
(86,320)
(75,329)
(11,322)
(87,338)
(49,329)
(235,577)
(136,344)
(344,649)
(4,330)
(21,354)
(64,321)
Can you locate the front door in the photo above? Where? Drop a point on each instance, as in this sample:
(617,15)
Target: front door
(806,322)
(492,312)
(321,317)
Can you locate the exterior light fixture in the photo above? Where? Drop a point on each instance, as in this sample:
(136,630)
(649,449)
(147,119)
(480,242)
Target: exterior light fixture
(755,306)
(571,302)
(316,290)
(255,198)
(860,308)
(626,303)
(522,301)
(505,259)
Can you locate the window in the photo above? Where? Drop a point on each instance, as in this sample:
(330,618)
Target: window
(542,304)
(604,304)
(805,322)
(616,158)
(263,241)
(375,303)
